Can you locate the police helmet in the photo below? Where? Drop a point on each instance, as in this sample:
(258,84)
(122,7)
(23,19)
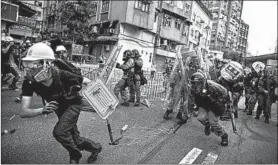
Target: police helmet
(128,54)
(136,53)
(198,77)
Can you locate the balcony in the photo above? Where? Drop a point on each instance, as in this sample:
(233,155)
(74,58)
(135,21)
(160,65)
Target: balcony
(173,10)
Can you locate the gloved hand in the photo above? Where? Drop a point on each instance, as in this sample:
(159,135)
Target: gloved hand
(50,107)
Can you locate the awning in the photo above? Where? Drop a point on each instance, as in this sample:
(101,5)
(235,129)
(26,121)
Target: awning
(103,39)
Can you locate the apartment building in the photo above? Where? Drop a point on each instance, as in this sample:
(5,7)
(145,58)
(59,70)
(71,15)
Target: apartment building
(200,30)
(132,24)
(29,27)
(243,38)
(11,23)
(226,23)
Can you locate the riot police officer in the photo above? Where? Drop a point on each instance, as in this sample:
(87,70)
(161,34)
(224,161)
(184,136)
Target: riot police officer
(127,78)
(211,98)
(135,87)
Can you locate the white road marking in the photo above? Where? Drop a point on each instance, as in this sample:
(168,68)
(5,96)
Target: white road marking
(191,156)
(210,159)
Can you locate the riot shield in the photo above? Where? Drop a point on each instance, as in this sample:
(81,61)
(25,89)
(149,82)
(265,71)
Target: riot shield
(110,64)
(174,87)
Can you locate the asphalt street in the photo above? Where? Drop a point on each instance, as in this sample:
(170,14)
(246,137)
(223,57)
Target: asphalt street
(149,138)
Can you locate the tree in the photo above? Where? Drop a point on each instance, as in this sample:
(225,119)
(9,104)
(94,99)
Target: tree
(74,18)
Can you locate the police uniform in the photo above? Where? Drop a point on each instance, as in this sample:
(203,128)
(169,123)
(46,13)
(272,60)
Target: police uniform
(127,78)
(211,102)
(135,88)
(175,87)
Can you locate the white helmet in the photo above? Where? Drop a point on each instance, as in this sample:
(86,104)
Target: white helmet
(258,66)
(39,51)
(60,48)
(8,39)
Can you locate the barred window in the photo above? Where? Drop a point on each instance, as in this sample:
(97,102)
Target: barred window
(105,6)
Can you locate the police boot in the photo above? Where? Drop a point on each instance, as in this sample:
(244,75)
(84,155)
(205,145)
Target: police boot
(179,116)
(249,113)
(125,104)
(131,100)
(207,130)
(75,159)
(266,120)
(183,119)
(257,117)
(166,115)
(236,114)
(224,139)
(93,156)
(137,103)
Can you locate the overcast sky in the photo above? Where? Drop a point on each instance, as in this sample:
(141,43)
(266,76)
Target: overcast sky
(262,19)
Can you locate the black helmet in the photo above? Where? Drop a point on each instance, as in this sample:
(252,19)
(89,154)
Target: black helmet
(128,54)
(136,53)
(198,81)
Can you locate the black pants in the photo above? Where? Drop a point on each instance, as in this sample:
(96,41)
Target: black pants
(66,133)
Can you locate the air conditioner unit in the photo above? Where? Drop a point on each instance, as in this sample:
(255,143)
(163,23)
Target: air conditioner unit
(111,30)
(107,47)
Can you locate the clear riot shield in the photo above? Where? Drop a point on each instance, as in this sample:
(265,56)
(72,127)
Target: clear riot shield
(110,64)
(180,69)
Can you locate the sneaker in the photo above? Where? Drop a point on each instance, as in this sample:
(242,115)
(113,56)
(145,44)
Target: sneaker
(224,140)
(179,116)
(93,156)
(13,87)
(207,130)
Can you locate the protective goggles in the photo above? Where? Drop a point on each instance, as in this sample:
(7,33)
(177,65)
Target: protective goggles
(32,64)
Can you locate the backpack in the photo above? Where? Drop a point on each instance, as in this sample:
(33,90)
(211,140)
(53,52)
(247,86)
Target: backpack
(67,66)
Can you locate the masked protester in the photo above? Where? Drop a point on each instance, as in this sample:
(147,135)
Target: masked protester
(211,98)
(61,91)
(127,78)
(62,52)
(135,88)
(9,64)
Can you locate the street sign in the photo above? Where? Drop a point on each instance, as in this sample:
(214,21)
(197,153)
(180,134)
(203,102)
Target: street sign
(100,98)
(77,49)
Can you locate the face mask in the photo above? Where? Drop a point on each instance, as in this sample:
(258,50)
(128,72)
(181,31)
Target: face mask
(42,75)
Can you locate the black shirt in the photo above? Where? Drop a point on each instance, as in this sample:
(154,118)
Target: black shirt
(56,91)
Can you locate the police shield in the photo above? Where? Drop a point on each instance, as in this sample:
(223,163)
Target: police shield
(179,77)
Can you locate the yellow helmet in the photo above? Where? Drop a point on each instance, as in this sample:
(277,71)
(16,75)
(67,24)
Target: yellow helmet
(39,51)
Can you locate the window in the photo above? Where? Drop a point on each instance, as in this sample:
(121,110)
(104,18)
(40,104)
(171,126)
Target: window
(167,20)
(105,6)
(155,16)
(178,24)
(142,5)
(93,8)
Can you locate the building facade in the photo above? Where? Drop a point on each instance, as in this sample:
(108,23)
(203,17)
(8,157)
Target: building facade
(12,13)
(132,24)
(200,30)
(243,38)
(226,23)
(28,27)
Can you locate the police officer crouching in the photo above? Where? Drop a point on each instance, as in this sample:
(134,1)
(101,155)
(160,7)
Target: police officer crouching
(61,91)
(211,98)
(135,88)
